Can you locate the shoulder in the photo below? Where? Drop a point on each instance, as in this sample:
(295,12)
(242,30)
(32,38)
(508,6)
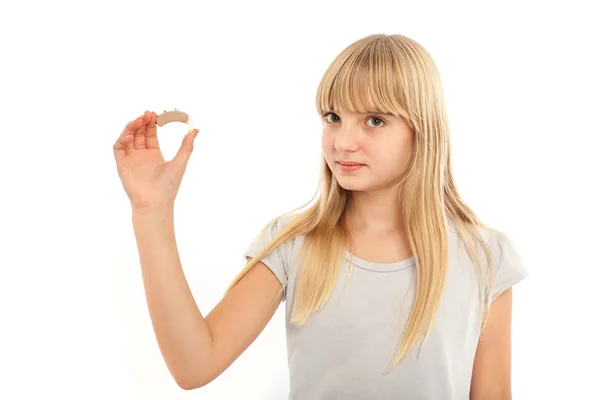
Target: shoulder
(276,225)
(501,245)
(508,265)
(270,232)
(278,259)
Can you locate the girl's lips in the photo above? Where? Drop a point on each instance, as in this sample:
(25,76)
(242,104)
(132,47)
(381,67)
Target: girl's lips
(349,167)
(349,163)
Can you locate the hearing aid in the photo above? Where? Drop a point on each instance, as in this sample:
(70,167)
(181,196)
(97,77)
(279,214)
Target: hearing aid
(175,116)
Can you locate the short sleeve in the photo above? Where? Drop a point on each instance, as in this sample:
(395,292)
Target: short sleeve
(276,260)
(508,266)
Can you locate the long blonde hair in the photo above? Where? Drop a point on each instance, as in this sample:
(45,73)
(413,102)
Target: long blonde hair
(395,75)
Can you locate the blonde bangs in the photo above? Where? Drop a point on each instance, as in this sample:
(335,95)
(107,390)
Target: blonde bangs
(366,78)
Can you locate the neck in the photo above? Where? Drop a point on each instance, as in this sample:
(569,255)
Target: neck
(377,212)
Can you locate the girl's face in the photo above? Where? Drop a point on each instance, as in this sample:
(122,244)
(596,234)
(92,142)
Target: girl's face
(382,143)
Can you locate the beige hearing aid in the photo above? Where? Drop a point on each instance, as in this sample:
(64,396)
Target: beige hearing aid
(175,116)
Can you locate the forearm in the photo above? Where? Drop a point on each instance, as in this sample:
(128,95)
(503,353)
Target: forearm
(183,336)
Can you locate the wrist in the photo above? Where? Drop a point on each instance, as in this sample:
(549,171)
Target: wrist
(156,211)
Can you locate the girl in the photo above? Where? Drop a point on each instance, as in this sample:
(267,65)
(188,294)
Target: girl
(393,287)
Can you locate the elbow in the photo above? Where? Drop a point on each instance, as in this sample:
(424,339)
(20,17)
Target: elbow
(187,386)
(195,375)
(184,385)
(190,384)
(192,381)
(191,373)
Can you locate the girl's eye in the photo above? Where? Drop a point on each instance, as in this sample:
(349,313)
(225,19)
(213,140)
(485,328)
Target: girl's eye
(328,114)
(377,119)
(335,118)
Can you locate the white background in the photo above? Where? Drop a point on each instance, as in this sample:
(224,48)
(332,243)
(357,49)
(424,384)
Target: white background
(521,85)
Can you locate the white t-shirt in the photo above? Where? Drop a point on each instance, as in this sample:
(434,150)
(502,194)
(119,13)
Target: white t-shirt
(343,350)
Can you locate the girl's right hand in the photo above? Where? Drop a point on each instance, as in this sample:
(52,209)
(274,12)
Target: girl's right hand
(148,180)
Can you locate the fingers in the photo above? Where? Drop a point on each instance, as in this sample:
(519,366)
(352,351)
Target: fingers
(124,143)
(151,138)
(139,137)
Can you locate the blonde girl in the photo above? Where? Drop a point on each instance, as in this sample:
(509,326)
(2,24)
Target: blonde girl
(393,288)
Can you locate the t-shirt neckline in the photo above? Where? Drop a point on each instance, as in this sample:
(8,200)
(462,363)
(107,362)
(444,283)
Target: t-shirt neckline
(378,267)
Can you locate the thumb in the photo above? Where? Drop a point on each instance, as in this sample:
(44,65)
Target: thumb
(186,148)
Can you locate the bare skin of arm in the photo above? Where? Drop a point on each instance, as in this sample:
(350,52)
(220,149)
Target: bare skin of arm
(491,379)
(198,349)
